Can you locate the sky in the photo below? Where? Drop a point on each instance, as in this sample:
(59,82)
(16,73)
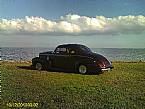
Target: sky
(95,23)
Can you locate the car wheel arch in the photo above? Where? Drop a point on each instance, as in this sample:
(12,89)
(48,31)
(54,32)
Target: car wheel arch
(39,61)
(38,66)
(78,64)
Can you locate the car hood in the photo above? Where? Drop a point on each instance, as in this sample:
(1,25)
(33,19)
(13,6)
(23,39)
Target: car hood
(46,53)
(101,60)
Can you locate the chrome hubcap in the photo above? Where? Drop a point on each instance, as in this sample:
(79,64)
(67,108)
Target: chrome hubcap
(38,66)
(82,69)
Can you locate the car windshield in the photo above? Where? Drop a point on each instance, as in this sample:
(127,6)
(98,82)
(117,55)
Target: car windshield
(85,49)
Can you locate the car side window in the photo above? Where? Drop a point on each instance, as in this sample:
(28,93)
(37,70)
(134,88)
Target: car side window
(61,51)
(71,51)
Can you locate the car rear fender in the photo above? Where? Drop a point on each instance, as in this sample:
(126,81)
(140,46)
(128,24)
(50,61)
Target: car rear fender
(85,61)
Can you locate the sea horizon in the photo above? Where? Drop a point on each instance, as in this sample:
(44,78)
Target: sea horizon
(113,54)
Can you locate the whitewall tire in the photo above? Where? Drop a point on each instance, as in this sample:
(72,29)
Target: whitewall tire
(38,66)
(82,69)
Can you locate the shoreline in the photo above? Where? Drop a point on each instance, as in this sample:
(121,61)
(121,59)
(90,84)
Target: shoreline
(15,61)
(29,61)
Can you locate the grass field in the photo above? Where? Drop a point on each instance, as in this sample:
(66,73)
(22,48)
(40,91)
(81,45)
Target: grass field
(123,87)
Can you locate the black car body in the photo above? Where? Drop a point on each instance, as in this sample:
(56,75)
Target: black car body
(73,57)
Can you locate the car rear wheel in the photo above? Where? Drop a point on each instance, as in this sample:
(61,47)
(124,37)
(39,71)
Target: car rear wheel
(38,66)
(82,69)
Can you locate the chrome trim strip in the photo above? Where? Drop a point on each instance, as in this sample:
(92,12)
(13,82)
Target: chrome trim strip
(106,69)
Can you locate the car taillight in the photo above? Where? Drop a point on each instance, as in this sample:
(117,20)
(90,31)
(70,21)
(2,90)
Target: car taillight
(101,64)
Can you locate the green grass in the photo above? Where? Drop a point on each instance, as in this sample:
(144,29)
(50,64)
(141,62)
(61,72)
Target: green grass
(123,87)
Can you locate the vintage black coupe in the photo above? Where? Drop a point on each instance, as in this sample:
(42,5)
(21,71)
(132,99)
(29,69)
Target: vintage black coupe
(72,57)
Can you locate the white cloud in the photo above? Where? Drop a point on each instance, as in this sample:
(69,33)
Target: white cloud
(74,25)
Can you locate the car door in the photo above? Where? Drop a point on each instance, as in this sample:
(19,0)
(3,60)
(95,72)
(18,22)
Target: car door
(71,59)
(59,59)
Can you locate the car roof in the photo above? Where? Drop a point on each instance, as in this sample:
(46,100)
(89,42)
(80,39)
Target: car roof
(71,45)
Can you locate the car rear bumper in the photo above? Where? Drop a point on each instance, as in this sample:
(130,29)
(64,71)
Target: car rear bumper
(94,68)
(107,69)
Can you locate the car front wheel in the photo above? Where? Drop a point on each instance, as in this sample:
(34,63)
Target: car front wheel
(38,66)
(82,69)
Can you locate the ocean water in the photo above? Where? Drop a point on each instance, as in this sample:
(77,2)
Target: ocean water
(13,53)
(113,54)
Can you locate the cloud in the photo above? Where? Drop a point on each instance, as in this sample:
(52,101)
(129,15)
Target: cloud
(72,24)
